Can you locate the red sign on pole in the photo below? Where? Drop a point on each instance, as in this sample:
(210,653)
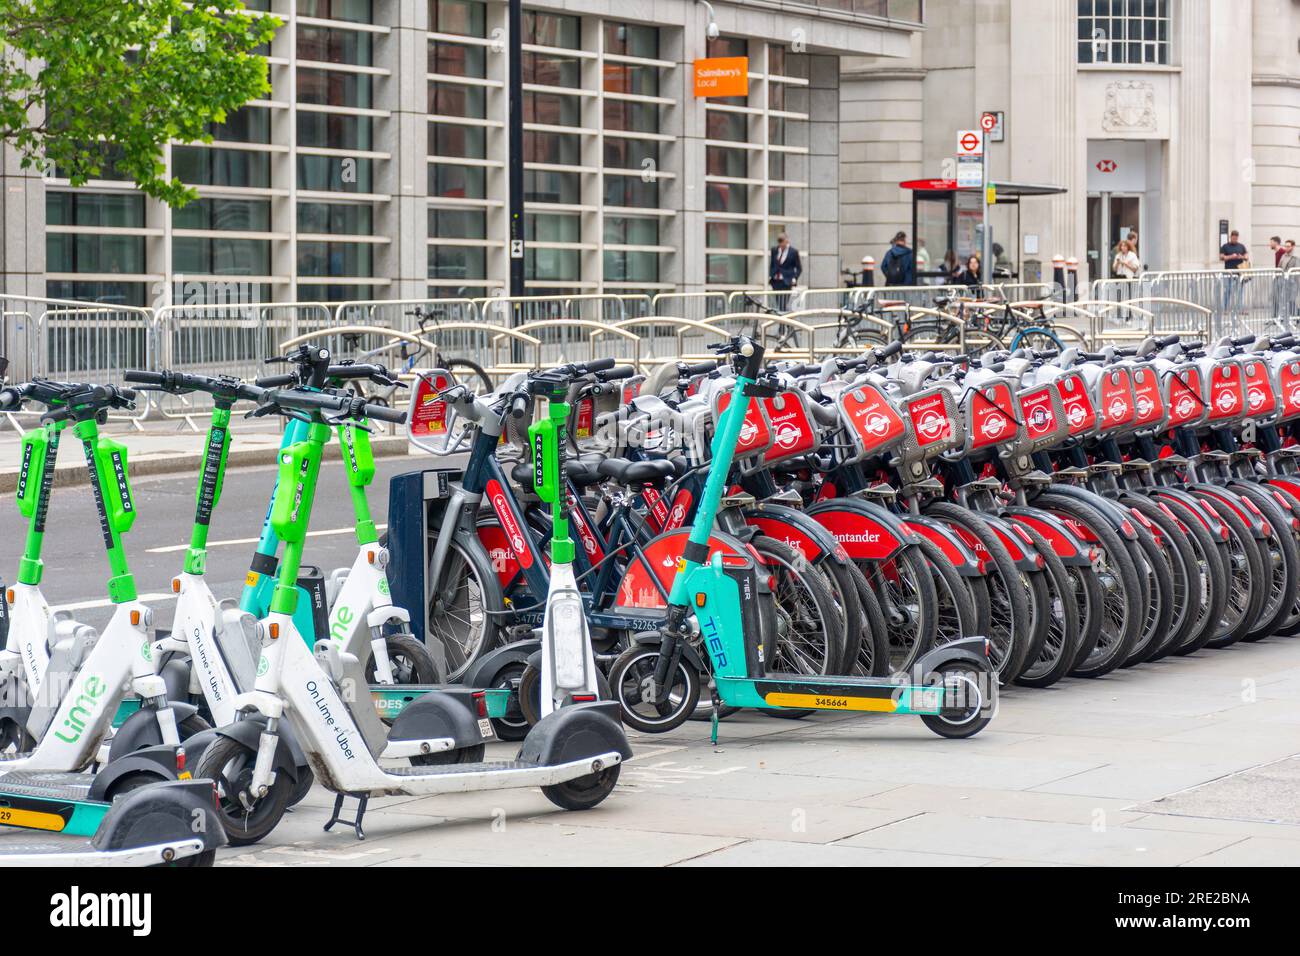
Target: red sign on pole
(970,142)
(988,122)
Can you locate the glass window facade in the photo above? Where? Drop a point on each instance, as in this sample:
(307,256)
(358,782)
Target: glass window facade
(605,180)
(1124,31)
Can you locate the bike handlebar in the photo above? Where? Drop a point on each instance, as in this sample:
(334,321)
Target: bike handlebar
(182,382)
(519,406)
(347,406)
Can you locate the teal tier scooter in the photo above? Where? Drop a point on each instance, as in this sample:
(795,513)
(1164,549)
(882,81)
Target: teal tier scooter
(716,624)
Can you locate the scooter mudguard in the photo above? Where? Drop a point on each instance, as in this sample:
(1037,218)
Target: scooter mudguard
(449,711)
(688,652)
(484,671)
(141,730)
(158,762)
(248,733)
(176,810)
(574,732)
(970,650)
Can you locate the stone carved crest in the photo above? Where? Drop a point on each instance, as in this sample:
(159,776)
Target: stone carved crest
(1130,106)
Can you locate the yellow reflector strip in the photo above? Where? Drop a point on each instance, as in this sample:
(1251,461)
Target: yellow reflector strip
(31,819)
(883,705)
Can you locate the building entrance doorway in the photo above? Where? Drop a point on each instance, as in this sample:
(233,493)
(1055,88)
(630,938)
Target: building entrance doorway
(1112,217)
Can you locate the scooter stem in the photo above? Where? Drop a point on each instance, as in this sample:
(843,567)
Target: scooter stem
(31,567)
(209,492)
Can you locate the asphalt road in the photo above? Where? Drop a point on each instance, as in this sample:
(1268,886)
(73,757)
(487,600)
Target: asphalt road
(76,568)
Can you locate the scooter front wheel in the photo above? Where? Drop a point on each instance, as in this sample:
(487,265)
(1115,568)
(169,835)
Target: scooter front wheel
(630,682)
(246,819)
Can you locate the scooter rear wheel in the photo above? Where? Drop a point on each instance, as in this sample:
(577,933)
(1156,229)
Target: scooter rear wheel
(969,716)
(584,792)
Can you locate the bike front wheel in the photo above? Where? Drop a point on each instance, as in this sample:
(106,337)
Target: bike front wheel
(631,679)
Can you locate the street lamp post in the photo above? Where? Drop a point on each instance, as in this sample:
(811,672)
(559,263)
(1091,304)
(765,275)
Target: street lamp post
(515,162)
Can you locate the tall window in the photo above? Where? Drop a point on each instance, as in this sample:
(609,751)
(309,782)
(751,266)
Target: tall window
(1124,31)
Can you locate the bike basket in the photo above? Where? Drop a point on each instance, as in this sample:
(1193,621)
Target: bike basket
(1149,407)
(1184,396)
(794,433)
(1044,416)
(1080,413)
(755,432)
(1288,389)
(1113,396)
(1261,397)
(989,414)
(430,423)
(869,417)
(932,424)
(1227,391)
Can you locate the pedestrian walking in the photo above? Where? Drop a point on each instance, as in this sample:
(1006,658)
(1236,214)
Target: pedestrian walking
(898,264)
(783,270)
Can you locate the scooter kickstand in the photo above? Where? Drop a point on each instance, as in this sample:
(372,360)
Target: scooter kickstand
(362,800)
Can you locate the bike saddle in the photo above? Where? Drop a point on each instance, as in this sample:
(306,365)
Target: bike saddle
(581,473)
(636,472)
(522,475)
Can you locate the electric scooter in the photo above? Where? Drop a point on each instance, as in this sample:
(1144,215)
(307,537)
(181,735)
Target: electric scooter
(354,605)
(70,679)
(574,754)
(568,666)
(716,625)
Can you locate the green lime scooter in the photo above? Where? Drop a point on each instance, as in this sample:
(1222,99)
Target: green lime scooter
(716,624)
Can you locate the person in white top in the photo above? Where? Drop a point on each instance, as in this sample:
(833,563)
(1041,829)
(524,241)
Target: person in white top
(1126,264)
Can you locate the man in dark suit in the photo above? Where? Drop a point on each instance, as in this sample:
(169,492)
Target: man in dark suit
(783,269)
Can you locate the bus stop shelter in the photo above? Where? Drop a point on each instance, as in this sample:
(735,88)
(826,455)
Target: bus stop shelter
(947,217)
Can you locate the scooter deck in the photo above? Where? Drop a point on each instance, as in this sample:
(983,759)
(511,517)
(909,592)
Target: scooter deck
(390,700)
(57,802)
(496,774)
(801,692)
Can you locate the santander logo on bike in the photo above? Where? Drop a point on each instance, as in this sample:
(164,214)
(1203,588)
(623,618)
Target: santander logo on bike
(501,505)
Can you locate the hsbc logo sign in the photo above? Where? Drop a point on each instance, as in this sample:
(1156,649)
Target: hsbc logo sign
(1106,165)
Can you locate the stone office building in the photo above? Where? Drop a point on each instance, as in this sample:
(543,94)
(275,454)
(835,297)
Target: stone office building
(376,166)
(1166,117)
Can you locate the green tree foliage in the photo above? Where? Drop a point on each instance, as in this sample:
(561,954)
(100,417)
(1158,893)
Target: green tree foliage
(91,84)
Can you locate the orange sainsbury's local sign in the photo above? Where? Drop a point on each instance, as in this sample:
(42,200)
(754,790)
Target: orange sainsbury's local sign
(722,76)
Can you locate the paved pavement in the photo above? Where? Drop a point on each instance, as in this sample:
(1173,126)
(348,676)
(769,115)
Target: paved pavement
(1191,761)
(1188,762)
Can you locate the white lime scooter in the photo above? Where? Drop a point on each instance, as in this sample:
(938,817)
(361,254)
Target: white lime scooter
(62,681)
(574,754)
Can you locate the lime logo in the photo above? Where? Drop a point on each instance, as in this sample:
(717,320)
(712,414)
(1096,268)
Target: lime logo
(343,618)
(263,665)
(74,724)
(146,651)
(383,585)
